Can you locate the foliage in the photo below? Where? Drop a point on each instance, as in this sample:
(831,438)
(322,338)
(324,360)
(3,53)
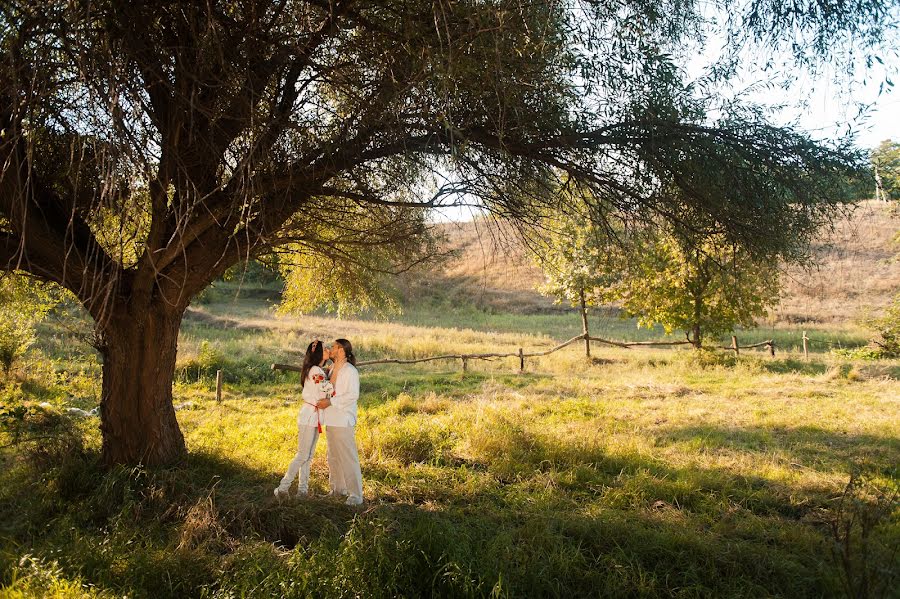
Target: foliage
(577,257)
(23,303)
(888,330)
(705,288)
(351,271)
(674,276)
(864,523)
(886,162)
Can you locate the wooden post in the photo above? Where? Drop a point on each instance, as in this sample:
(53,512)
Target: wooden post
(218,386)
(805,346)
(465,362)
(772,348)
(734,345)
(584,325)
(521,360)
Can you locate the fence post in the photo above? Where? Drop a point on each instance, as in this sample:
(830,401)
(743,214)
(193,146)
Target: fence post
(465,362)
(218,386)
(521,360)
(734,345)
(805,346)
(771,345)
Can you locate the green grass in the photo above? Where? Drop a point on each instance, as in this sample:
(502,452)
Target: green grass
(656,473)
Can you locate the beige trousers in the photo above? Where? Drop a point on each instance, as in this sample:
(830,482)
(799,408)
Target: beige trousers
(344,474)
(306,449)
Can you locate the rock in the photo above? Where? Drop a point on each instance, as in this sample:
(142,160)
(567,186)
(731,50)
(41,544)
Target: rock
(83,413)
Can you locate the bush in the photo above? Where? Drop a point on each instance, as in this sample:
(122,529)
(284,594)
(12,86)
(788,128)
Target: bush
(887,328)
(16,336)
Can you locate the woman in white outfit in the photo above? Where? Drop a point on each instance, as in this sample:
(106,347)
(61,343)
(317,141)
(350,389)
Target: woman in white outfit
(309,421)
(339,416)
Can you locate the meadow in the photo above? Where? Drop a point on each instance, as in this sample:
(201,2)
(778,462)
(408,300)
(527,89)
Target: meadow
(654,473)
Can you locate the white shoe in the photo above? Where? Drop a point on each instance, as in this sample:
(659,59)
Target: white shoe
(353,500)
(281,493)
(302,492)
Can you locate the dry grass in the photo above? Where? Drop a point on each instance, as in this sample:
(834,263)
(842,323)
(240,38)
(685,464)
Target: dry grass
(857,271)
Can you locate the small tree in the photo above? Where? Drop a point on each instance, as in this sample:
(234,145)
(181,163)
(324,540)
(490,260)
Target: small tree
(886,165)
(704,288)
(580,264)
(23,303)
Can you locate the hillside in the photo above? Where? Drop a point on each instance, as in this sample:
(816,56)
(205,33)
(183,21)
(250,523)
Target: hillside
(854,272)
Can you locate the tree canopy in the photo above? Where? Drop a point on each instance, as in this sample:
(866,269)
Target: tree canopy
(148,146)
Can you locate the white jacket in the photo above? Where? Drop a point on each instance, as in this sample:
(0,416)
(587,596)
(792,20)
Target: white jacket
(342,411)
(312,393)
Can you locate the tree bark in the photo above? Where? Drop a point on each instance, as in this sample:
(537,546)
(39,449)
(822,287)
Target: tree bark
(698,336)
(137,416)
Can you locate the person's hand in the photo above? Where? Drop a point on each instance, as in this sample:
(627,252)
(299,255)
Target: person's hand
(323,403)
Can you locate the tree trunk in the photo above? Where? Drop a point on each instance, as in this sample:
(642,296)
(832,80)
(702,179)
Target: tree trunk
(584,325)
(136,413)
(698,311)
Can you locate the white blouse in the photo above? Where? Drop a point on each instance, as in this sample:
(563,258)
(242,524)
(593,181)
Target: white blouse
(311,394)
(342,411)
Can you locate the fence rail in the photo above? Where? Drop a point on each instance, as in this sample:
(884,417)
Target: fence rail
(521,354)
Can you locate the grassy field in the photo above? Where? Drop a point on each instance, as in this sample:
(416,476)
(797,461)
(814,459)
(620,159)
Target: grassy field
(651,473)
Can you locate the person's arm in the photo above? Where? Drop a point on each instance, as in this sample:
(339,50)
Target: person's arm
(312,392)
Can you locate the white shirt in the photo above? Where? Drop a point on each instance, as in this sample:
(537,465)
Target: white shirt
(312,393)
(342,411)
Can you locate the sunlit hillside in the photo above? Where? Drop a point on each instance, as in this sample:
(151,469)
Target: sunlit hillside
(853,272)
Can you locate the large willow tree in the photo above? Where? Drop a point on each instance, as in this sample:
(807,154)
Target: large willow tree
(147,146)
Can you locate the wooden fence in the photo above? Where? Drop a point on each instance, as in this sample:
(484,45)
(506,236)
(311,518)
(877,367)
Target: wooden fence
(521,354)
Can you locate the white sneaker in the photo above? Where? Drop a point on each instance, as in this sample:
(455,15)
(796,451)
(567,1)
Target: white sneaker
(281,493)
(353,500)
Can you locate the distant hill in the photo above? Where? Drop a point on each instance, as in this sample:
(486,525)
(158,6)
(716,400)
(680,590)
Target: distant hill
(856,272)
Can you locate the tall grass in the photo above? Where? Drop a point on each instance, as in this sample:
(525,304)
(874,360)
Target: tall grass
(651,473)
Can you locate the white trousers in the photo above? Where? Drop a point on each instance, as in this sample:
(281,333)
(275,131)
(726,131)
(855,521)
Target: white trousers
(306,448)
(344,474)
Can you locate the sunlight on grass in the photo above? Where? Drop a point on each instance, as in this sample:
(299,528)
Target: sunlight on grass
(644,472)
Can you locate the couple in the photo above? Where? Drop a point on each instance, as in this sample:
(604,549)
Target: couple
(332,403)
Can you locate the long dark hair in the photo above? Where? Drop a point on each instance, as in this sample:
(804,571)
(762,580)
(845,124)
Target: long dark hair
(348,350)
(313,357)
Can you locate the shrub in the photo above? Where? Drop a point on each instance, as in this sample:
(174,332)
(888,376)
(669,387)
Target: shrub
(16,336)
(887,330)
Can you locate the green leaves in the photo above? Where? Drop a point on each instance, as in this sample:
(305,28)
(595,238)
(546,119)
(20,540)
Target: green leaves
(886,164)
(706,289)
(23,303)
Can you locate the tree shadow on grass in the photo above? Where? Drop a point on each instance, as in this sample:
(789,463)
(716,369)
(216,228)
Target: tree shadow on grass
(547,520)
(793,365)
(809,447)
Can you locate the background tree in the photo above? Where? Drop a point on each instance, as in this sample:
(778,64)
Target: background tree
(24,302)
(582,262)
(886,165)
(140,162)
(704,289)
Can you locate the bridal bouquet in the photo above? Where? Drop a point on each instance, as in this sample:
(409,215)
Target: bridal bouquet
(325,385)
(326,389)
